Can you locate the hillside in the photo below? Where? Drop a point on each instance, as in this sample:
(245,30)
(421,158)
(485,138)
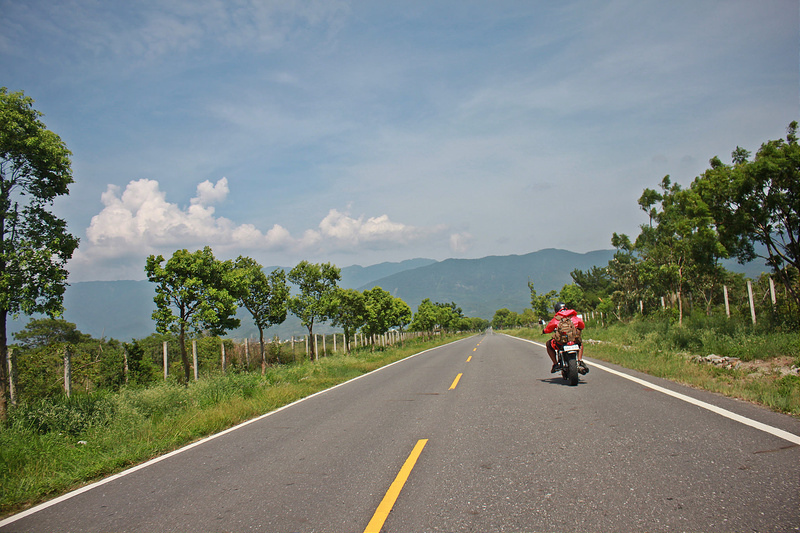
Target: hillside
(122,309)
(482,286)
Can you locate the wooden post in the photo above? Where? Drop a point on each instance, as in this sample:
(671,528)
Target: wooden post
(166,360)
(222,351)
(663,304)
(727,303)
(125,363)
(772,292)
(641,307)
(316,348)
(334,343)
(12,376)
(750,296)
(324,345)
(247,352)
(194,358)
(67,370)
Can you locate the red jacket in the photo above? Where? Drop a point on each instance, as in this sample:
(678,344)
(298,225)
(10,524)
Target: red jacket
(564,313)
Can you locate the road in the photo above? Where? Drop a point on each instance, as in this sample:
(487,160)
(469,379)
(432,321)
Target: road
(473,436)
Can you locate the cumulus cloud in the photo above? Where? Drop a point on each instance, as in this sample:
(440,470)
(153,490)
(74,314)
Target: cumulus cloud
(460,242)
(139,221)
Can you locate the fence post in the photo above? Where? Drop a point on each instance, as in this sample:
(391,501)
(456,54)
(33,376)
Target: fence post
(67,370)
(166,360)
(12,376)
(247,352)
(194,358)
(772,292)
(727,303)
(223,355)
(750,297)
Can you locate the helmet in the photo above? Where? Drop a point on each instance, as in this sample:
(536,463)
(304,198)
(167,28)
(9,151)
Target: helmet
(559,306)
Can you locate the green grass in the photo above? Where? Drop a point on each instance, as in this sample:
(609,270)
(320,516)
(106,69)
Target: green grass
(56,445)
(664,350)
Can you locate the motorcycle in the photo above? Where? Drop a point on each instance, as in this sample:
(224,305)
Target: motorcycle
(567,357)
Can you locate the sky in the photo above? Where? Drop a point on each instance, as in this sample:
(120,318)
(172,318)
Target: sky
(359,132)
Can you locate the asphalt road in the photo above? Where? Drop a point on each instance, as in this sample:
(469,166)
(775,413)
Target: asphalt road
(501,445)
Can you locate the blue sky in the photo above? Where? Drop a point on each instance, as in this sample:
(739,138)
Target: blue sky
(362,132)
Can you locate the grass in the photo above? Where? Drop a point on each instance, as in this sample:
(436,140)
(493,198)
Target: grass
(59,444)
(665,350)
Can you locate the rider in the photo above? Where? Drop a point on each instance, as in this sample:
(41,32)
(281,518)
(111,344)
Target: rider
(552,346)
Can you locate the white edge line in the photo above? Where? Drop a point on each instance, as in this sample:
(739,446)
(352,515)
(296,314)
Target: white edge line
(791,437)
(76,492)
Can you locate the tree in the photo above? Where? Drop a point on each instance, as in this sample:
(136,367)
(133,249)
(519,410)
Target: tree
(349,312)
(759,201)
(265,297)
(203,290)
(504,318)
(383,311)
(35,169)
(682,246)
(571,295)
(317,284)
(425,319)
(595,283)
(542,304)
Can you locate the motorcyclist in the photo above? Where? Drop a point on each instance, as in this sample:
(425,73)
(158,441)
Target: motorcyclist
(552,346)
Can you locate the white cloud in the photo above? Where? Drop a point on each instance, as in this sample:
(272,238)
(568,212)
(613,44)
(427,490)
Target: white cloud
(139,221)
(460,242)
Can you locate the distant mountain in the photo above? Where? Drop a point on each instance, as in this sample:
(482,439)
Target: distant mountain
(123,309)
(482,286)
(356,276)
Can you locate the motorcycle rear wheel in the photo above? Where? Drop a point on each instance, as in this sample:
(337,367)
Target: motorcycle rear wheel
(572,372)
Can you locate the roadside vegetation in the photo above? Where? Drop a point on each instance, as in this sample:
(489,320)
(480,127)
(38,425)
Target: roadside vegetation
(764,371)
(58,443)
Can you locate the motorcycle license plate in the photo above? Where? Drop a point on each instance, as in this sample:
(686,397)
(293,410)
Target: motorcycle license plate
(572,348)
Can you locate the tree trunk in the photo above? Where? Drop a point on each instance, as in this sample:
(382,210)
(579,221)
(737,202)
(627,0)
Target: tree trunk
(184,356)
(3,366)
(263,353)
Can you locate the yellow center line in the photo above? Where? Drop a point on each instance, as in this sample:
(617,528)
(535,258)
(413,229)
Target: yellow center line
(475,349)
(455,382)
(469,359)
(382,512)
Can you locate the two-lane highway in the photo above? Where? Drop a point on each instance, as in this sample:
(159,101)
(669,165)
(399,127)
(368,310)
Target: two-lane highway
(473,436)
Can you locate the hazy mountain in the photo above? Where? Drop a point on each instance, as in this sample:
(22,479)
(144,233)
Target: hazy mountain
(123,309)
(482,286)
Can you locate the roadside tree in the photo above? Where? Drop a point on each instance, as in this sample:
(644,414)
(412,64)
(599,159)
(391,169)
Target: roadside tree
(34,244)
(315,303)
(349,312)
(265,297)
(194,291)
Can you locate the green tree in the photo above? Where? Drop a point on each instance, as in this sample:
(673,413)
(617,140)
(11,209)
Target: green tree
(265,297)
(542,304)
(402,313)
(315,303)
(203,290)
(349,312)
(571,295)
(505,318)
(595,283)
(35,246)
(383,312)
(426,318)
(681,246)
(759,201)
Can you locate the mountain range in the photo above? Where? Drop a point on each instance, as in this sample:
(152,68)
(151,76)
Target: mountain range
(122,309)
